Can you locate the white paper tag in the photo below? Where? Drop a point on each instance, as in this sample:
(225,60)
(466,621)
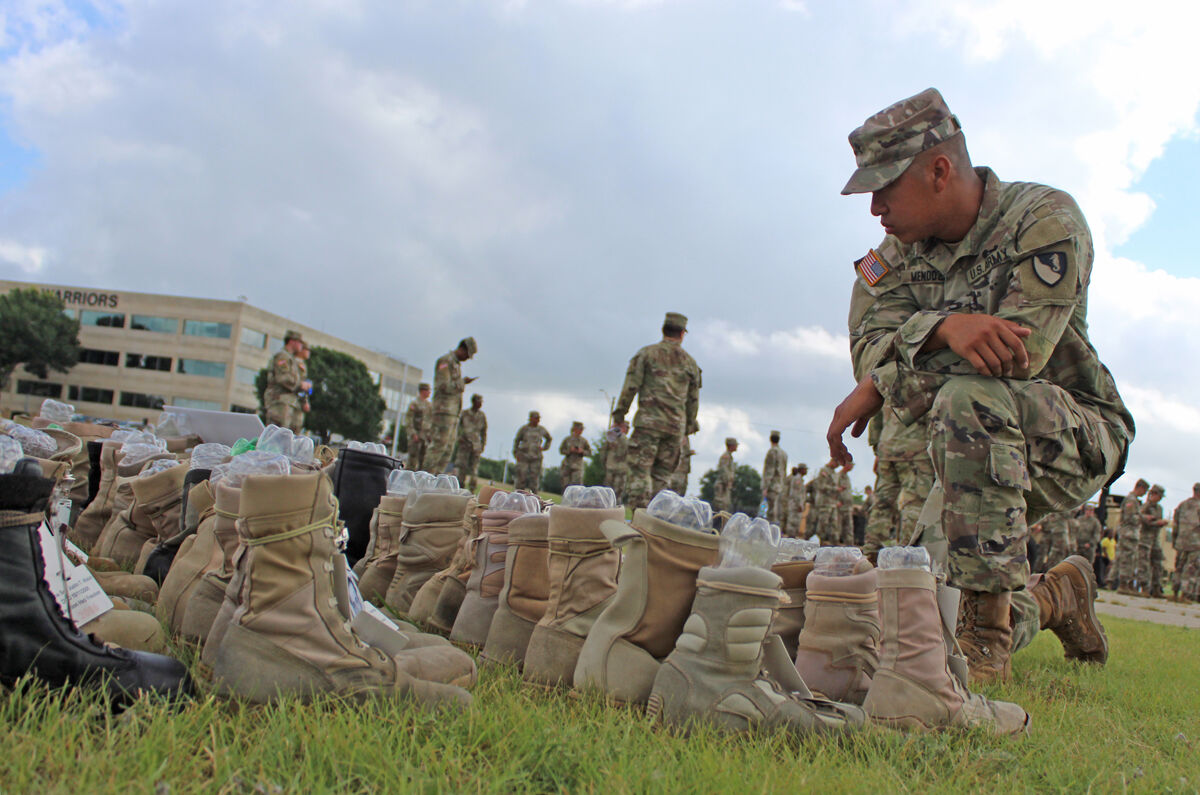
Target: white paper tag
(356,600)
(377,614)
(70,584)
(74,550)
(62,514)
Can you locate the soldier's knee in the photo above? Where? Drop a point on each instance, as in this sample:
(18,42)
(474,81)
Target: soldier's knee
(975,398)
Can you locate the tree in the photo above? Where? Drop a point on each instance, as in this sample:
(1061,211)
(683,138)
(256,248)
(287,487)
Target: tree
(344,399)
(552,480)
(747,488)
(35,332)
(593,471)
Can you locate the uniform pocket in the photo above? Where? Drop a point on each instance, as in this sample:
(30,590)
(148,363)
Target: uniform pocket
(1006,465)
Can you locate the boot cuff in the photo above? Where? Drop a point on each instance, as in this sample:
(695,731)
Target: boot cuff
(530,527)
(684,535)
(24,492)
(270,495)
(906,578)
(160,484)
(434,506)
(794,574)
(495,519)
(227,499)
(744,577)
(581,523)
(863,584)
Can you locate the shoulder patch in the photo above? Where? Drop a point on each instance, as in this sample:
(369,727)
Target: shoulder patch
(871,268)
(1049,276)
(1050,267)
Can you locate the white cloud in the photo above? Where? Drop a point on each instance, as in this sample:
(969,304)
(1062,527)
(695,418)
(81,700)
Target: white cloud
(30,259)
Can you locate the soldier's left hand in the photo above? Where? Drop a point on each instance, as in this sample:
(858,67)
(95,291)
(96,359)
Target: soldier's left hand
(863,403)
(470,379)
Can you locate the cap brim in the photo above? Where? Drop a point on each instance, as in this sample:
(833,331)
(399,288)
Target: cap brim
(873,178)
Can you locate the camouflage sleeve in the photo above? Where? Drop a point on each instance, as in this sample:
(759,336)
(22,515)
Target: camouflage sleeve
(517,442)
(410,417)
(562,446)
(443,378)
(483,432)
(587,447)
(546,435)
(693,401)
(634,375)
(1052,272)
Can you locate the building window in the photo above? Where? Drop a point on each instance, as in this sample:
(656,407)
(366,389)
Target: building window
(246,375)
(90,394)
(89,317)
(242,409)
(139,400)
(192,403)
(206,328)
(276,345)
(147,362)
(255,339)
(201,367)
(94,356)
(163,325)
(39,389)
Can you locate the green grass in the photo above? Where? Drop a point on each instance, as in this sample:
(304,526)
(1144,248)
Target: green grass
(1132,726)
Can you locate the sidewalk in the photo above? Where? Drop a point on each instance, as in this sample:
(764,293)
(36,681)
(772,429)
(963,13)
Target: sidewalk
(1160,611)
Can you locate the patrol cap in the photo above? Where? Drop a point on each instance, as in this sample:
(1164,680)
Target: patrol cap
(675,319)
(293,335)
(423,385)
(729,440)
(476,397)
(577,424)
(885,145)
(469,344)
(775,436)
(1196,487)
(1141,483)
(533,415)
(1158,488)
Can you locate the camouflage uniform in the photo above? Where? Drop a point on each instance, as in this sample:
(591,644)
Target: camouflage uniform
(447,405)
(902,483)
(616,446)
(723,485)
(666,381)
(1150,554)
(679,478)
(1187,549)
(1058,538)
(574,449)
(418,420)
(530,442)
(1128,531)
(795,506)
(1086,532)
(824,490)
(845,509)
(775,483)
(472,439)
(281,397)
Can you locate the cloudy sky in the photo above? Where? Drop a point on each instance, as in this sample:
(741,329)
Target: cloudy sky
(552,176)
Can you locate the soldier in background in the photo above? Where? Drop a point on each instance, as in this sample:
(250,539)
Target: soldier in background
(530,442)
(304,391)
(417,421)
(1125,572)
(448,385)
(824,492)
(1086,533)
(574,449)
(1186,540)
(796,501)
(666,381)
(1057,532)
(472,439)
(285,380)
(615,449)
(903,480)
(1150,554)
(774,480)
(723,485)
(845,506)
(679,478)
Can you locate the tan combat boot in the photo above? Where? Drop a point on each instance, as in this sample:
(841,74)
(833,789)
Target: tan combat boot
(137,504)
(914,686)
(129,629)
(92,520)
(1066,597)
(482,597)
(434,521)
(639,627)
(161,499)
(714,675)
(985,635)
(790,618)
(838,649)
(583,577)
(379,564)
(525,593)
(289,637)
(194,556)
(437,601)
(207,594)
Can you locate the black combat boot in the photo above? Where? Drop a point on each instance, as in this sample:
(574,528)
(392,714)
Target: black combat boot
(158,563)
(359,482)
(93,447)
(35,636)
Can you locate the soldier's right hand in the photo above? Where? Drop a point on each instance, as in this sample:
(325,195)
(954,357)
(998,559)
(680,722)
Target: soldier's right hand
(306,385)
(991,344)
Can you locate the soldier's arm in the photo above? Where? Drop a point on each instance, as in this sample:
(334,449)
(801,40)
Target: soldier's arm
(516,443)
(634,376)
(443,379)
(692,408)
(564,446)
(546,435)
(483,436)
(587,447)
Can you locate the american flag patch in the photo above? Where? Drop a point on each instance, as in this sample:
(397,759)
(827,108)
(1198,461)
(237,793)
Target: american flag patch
(871,267)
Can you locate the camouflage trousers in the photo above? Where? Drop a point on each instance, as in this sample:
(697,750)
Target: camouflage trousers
(906,484)
(528,474)
(1187,572)
(679,481)
(845,522)
(285,415)
(441,442)
(722,497)
(1150,566)
(1006,452)
(775,506)
(615,480)
(883,518)
(416,454)
(466,464)
(572,472)
(1124,570)
(795,526)
(828,526)
(1060,547)
(653,458)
